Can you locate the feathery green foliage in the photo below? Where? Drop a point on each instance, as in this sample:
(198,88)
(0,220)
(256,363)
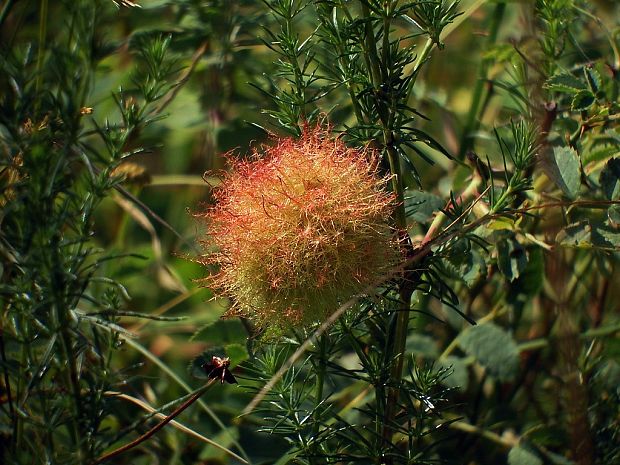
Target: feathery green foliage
(495,340)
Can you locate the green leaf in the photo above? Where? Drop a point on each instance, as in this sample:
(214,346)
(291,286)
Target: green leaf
(565,171)
(610,179)
(599,153)
(520,455)
(586,235)
(238,353)
(583,100)
(467,266)
(511,258)
(605,237)
(493,348)
(473,268)
(421,205)
(576,235)
(593,78)
(565,83)
(225,438)
(501,223)
(500,53)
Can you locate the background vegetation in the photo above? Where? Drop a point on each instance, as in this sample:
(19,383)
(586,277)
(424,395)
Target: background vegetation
(501,119)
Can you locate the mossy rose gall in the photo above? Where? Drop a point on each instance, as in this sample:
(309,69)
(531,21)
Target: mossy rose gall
(300,227)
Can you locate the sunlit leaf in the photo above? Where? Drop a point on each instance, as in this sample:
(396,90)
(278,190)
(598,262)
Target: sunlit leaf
(576,235)
(501,223)
(238,353)
(593,77)
(565,171)
(566,83)
(583,100)
(589,235)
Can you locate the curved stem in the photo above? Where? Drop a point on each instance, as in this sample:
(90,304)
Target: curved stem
(157,427)
(469,193)
(422,57)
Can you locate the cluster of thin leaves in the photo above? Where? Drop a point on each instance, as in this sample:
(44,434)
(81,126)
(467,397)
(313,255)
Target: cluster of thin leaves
(355,59)
(60,317)
(360,65)
(325,406)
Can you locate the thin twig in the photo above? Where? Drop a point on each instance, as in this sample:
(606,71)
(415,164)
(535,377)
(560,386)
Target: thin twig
(125,193)
(419,253)
(157,427)
(175,423)
(184,77)
(569,203)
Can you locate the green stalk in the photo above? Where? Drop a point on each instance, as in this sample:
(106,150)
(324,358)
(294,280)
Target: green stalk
(320,381)
(73,381)
(399,332)
(24,362)
(476,109)
(422,57)
(299,84)
(63,321)
(41,51)
(387,24)
(371,49)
